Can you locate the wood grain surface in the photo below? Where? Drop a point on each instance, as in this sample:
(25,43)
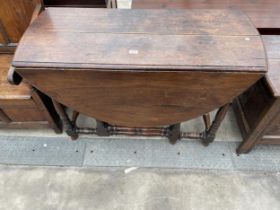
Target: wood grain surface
(110,39)
(263,13)
(141,68)
(140,99)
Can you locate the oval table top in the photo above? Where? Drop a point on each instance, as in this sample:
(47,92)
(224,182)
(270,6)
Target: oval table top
(141,67)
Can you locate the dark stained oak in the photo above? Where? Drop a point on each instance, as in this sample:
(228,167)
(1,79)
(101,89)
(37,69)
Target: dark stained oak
(140,98)
(172,22)
(258,109)
(140,42)
(113,65)
(263,13)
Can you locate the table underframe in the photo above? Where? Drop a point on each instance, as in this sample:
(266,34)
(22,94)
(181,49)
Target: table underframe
(172,132)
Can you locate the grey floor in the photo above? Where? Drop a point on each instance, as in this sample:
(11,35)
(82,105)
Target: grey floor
(52,188)
(41,170)
(35,147)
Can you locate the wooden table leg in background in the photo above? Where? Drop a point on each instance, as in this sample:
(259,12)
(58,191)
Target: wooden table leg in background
(174,133)
(70,127)
(207,121)
(268,118)
(210,134)
(47,109)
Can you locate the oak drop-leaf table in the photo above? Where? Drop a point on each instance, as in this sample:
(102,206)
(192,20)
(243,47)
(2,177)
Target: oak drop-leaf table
(141,72)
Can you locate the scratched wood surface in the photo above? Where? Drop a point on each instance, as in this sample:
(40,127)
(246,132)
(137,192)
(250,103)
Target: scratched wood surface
(141,67)
(101,38)
(263,13)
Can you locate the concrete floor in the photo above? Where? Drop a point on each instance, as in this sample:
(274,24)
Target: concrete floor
(47,188)
(111,176)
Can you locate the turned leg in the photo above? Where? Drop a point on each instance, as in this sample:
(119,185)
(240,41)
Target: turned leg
(210,134)
(207,121)
(74,118)
(174,133)
(45,105)
(69,126)
(102,128)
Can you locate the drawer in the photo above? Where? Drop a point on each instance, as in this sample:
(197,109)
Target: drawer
(17,104)
(24,114)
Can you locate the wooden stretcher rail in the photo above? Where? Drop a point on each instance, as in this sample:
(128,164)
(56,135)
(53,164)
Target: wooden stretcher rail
(173,132)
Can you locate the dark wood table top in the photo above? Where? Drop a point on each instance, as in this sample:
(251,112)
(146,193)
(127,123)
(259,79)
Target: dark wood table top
(272,44)
(141,68)
(220,40)
(263,13)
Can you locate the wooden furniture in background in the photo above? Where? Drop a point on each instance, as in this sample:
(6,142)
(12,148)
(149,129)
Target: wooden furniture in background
(15,16)
(258,109)
(144,74)
(264,13)
(22,106)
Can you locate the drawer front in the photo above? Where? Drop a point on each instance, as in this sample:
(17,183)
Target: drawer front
(24,114)
(17,104)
